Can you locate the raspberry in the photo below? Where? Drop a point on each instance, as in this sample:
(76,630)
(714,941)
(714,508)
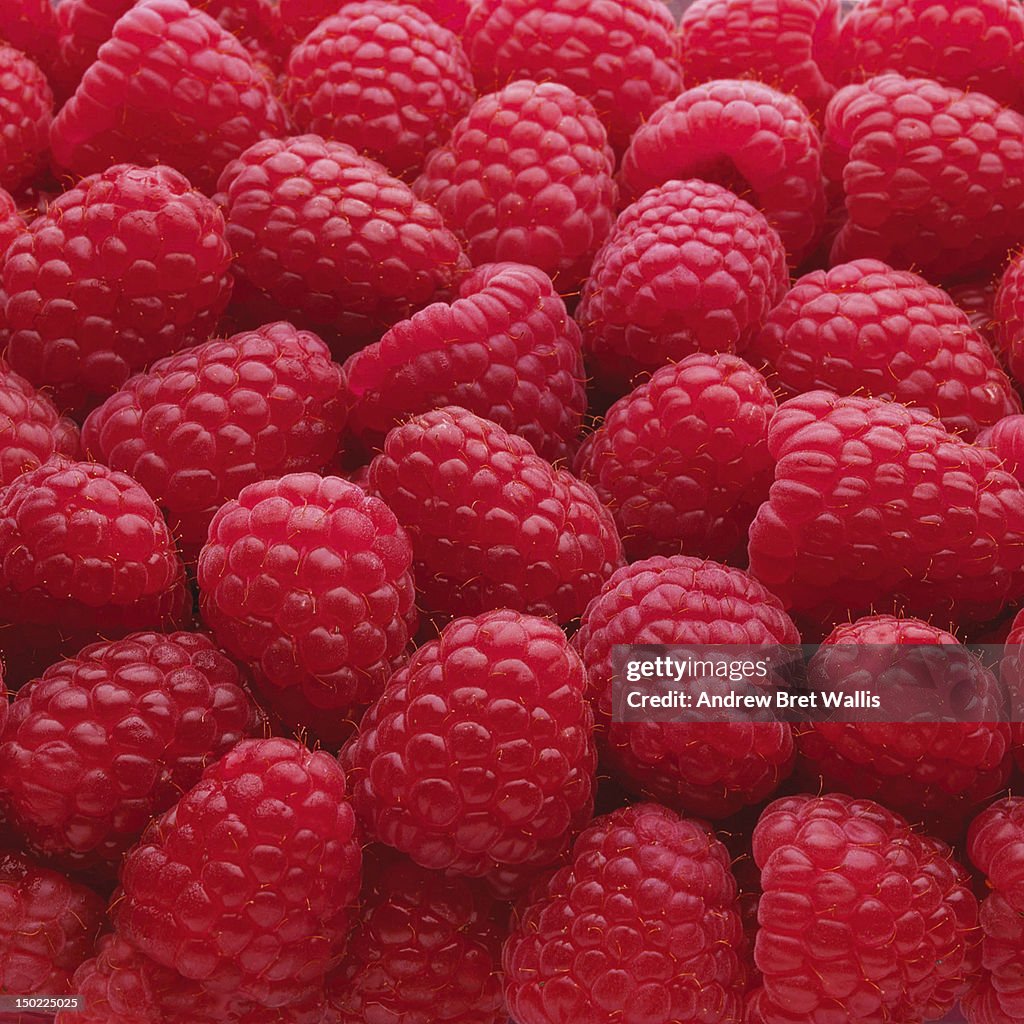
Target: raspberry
(936,770)
(876,508)
(492,524)
(427,949)
(479,756)
(11,223)
(170,86)
(864,328)
(977,300)
(746,136)
(708,768)
(26,107)
(247,881)
(300,17)
(199,426)
(932,177)
(999,994)
(527,177)
(996,846)
(327,238)
(661,886)
(622,57)
(84,552)
(30,26)
(48,924)
(31,429)
(683,460)
(788,44)
(1006,440)
(977,47)
(383,77)
(307,579)
(688,267)
(506,349)
(861,919)
(1008,316)
(109,738)
(124,267)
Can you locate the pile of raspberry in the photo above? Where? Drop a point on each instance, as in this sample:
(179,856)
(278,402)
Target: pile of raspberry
(371,371)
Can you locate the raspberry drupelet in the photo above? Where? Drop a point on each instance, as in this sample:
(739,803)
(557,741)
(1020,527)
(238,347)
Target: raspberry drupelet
(26,108)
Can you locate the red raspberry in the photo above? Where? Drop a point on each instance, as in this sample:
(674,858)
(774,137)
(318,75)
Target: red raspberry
(712,769)
(876,508)
(170,86)
(506,349)
(688,267)
(30,26)
(300,17)
(977,299)
(683,460)
(492,524)
(932,177)
(330,240)
(934,770)
(124,267)
(199,426)
(246,883)
(996,846)
(1008,316)
(31,429)
(861,919)
(426,950)
(788,44)
(641,925)
(998,997)
(623,57)
(48,924)
(26,107)
(864,328)
(1006,440)
(105,740)
(383,77)
(11,222)
(84,552)
(981,1004)
(307,579)
(744,135)
(255,24)
(478,757)
(976,46)
(527,177)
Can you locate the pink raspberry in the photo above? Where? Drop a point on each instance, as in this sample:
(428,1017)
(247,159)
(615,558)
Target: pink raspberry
(788,44)
(932,177)
(662,886)
(48,924)
(31,428)
(299,17)
(527,177)
(876,508)
(711,769)
(977,46)
(170,86)
(623,57)
(197,427)
(84,553)
(1006,439)
(492,524)
(383,77)
(26,107)
(328,239)
(30,26)
(977,299)
(505,349)
(478,757)
(864,328)
(247,882)
(307,579)
(427,949)
(11,222)
(934,770)
(1008,316)
(861,919)
(124,267)
(746,136)
(109,738)
(683,461)
(689,267)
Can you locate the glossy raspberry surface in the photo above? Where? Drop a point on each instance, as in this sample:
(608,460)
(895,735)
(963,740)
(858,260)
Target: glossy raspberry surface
(11,223)
(277,871)
(1005,439)
(682,461)
(478,757)
(1008,316)
(26,107)
(505,349)
(197,427)
(122,268)
(299,17)
(995,848)
(526,177)
(492,524)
